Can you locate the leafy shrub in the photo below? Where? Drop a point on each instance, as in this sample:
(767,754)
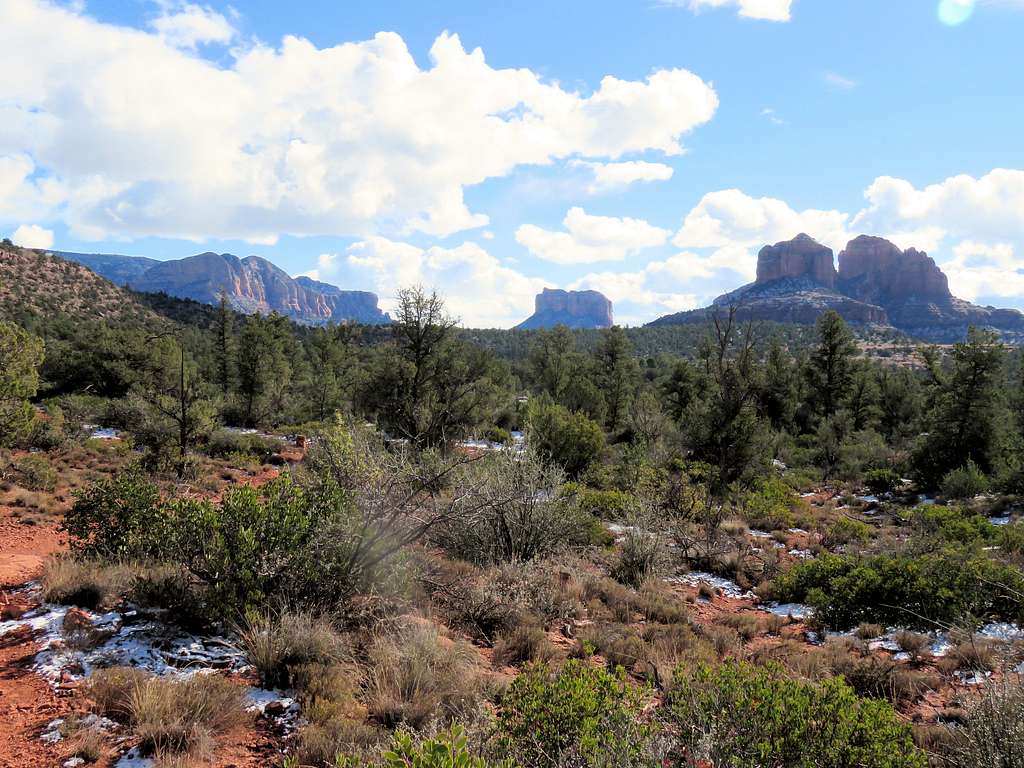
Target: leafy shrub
(846,531)
(119,518)
(951,586)
(568,440)
(449,749)
(249,547)
(747,717)
(606,504)
(884,480)
(577,716)
(953,525)
(224,444)
(35,473)
(770,505)
(642,554)
(498,435)
(964,483)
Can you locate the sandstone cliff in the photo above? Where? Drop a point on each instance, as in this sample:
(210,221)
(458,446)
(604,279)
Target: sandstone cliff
(251,284)
(574,309)
(876,284)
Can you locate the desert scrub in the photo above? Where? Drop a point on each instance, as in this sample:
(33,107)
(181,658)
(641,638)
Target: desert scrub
(417,674)
(278,644)
(170,715)
(949,585)
(576,716)
(745,716)
(84,582)
(35,473)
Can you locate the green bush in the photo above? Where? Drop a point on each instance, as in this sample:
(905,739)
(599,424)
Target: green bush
(35,473)
(846,531)
(223,444)
(498,435)
(605,505)
(770,505)
(950,585)
(569,440)
(120,518)
(964,483)
(952,525)
(578,716)
(745,716)
(884,480)
(449,749)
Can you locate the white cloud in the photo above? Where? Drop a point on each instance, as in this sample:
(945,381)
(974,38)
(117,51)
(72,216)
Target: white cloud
(144,138)
(187,25)
(836,80)
(33,236)
(980,269)
(590,239)
(772,116)
(730,217)
(766,10)
(475,285)
(609,176)
(677,283)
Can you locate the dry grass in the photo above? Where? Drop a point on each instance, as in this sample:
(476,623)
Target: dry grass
(275,645)
(527,642)
(418,674)
(85,583)
(169,715)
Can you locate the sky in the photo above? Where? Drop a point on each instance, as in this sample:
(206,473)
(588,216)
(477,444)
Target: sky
(646,149)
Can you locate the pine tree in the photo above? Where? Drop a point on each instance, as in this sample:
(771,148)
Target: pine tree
(829,372)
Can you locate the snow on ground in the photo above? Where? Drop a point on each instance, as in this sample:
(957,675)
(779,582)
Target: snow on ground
(729,588)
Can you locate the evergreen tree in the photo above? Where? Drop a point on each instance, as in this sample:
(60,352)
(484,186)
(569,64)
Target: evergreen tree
(21,354)
(225,349)
(618,372)
(829,372)
(264,370)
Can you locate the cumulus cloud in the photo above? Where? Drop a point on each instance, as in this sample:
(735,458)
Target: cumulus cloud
(680,282)
(765,10)
(731,217)
(476,286)
(610,176)
(985,270)
(33,236)
(588,239)
(144,137)
(187,25)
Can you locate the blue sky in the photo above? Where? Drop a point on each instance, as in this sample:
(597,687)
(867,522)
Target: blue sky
(373,161)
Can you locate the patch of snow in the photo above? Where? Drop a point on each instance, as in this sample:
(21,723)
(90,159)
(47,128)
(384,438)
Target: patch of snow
(51,734)
(901,656)
(796,530)
(972,678)
(1001,631)
(134,759)
(694,578)
(796,610)
(926,499)
(1001,520)
(778,465)
(868,499)
(74,762)
(885,643)
(808,495)
(759,534)
(104,433)
(802,554)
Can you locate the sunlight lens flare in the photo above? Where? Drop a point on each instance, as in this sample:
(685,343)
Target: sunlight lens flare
(955,12)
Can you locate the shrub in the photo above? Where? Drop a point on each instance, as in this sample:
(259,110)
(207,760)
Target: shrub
(746,717)
(511,511)
(577,716)
(946,586)
(605,505)
(964,483)
(642,554)
(119,518)
(952,525)
(449,749)
(498,435)
(568,440)
(770,505)
(224,444)
(846,531)
(35,473)
(993,734)
(417,675)
(884,480)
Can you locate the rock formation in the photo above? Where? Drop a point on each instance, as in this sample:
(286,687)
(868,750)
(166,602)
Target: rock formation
(575,309)
(251,284)
(800,257)
(876,284)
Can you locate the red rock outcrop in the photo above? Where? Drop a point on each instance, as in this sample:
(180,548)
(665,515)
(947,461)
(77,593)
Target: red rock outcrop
(875,270)
(575,309)
(803,256)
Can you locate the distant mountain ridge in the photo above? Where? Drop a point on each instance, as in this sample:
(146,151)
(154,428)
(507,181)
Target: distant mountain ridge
(251,284)
(877,283)
(574,309)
